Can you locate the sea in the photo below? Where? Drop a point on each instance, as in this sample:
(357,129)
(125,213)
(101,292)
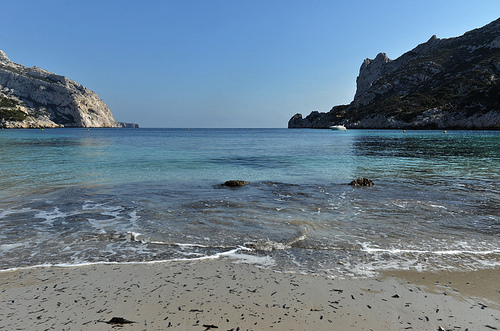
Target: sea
(71,197)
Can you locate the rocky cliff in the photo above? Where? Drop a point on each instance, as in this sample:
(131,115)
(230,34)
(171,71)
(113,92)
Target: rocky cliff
(443,83)
(36,98)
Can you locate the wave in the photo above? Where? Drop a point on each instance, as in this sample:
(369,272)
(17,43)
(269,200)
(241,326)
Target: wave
(268,245)
(436,252)
(234,254)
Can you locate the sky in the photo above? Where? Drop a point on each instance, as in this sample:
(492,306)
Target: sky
(224,63)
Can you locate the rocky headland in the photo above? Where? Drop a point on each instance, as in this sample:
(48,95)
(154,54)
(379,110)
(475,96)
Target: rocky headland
(36,98)
(442,83)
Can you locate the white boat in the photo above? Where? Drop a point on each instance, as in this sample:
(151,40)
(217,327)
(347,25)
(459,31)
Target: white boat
(338,127)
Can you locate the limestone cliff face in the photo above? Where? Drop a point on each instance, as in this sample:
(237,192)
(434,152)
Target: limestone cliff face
(442,83)
(369,72)
(34,97)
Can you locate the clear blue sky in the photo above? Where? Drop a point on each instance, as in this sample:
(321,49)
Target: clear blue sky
(223,63)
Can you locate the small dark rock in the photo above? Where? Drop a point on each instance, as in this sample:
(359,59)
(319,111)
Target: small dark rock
(362,182)
(235,183)
(119,320)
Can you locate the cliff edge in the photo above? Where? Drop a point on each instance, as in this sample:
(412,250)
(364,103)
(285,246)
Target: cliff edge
(36,98)
(442,83)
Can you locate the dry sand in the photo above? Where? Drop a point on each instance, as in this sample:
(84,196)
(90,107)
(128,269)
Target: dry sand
(223,295)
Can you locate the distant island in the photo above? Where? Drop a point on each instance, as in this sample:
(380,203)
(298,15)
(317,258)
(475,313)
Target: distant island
(36,98)
(444,83)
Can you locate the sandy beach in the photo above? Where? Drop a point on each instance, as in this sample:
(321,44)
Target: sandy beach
(223,295)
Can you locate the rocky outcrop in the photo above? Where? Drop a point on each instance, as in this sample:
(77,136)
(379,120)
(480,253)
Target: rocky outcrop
(316,119)
(362,182)
(369,72)
(442,83)
(36,98)
(235,183)
(127,125)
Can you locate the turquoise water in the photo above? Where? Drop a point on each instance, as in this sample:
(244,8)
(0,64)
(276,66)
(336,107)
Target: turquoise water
(73,196)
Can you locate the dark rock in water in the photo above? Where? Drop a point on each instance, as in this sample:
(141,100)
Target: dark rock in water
(235,183)
(362,182)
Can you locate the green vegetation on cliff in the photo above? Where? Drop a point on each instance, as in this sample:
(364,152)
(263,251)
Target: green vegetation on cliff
(7,102)
(9,110)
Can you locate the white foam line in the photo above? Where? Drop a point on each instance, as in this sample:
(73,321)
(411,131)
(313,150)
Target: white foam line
(136,236)
(438,206)
(495,251)
(67,265)
(451,252)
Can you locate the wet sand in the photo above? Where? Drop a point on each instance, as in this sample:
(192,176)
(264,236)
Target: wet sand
(223,295)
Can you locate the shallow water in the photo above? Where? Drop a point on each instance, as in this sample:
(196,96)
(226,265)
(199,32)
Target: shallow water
(73,196)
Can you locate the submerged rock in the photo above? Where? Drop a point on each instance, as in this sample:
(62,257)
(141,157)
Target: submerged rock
(235,183)
(362,182)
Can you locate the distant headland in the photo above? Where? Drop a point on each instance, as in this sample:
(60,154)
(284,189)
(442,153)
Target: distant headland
(36,98)
(443,83)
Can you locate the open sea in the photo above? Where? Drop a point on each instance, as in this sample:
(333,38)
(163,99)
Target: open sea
(79,196)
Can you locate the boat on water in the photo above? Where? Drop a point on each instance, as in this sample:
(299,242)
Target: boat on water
(338,128)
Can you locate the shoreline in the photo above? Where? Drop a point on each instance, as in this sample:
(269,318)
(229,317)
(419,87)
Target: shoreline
(225,295)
